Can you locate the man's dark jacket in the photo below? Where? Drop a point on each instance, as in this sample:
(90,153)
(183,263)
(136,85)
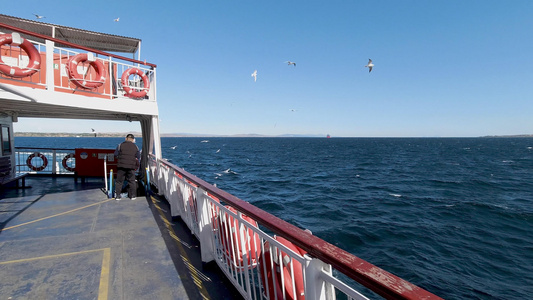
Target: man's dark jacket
(128,155)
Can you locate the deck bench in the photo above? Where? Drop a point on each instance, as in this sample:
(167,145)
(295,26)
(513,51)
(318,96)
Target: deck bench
(6,176)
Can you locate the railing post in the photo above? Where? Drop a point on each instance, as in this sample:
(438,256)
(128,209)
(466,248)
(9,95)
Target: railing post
(110,192)
(105,173)
(147,187)
(205,226)
(315,287)
(18,169)
(54,160)
(153,86)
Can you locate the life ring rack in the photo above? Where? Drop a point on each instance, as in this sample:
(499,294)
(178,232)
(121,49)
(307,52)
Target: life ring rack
(77,78)
(32,156)
(131,91)
(65,160)
(282,271)
(232,239)
(34,64)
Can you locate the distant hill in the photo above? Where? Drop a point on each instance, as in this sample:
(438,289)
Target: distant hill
(70,134)
(138,134)
(122,134)
(509,136)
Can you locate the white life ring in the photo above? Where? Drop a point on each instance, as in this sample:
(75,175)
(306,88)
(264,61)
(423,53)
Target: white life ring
(65,160)
(131,91)
(34,64)
(77,79)
(32,156)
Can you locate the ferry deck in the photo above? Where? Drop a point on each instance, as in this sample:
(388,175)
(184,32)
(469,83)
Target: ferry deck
(68,239)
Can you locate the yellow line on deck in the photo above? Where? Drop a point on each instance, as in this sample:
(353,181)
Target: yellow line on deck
(193,271)
(104,275)
(56,215)
(48,256)
(103,289)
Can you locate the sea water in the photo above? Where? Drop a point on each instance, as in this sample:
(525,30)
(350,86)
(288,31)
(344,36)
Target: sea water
(451,215)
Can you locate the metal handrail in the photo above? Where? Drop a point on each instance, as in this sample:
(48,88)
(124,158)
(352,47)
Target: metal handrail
(39,148)
(374,278)
(54,158)
(55,40)
(115,64)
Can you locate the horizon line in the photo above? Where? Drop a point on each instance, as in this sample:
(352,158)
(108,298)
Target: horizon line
(121,134)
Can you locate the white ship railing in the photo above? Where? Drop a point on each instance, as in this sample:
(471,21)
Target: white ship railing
(250,253)
(53,72)
(52,165)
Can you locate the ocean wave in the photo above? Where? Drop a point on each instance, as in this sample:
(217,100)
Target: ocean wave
(450,215)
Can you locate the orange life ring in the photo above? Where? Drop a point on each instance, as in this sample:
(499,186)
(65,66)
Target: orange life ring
(232,240)
(270,265)
(41,156)
(135,92)
(64,162)
(77,79)
(34,64)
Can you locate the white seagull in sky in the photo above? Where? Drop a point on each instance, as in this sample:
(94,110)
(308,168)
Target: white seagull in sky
(116,20)
(291,63)
(369,65)
(39,17)
(254,75)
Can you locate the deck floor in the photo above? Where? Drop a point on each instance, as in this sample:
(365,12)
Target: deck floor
(65,240)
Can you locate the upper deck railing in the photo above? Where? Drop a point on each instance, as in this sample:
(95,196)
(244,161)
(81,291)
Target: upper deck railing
(265,257)
(56,161)
(75,70)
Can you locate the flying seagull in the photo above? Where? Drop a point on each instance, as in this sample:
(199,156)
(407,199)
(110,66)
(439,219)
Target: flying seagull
(369,65)
(39,17)
(116,20)
(291,63)
(254,75)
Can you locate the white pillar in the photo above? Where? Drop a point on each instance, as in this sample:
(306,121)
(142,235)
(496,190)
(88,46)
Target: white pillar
(50,65)
(156,136)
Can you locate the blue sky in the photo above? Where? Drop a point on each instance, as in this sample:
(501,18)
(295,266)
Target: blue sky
(442,68)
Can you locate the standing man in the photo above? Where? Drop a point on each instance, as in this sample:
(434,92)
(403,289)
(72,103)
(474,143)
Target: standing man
(128,161)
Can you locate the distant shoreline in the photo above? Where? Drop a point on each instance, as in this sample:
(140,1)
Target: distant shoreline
(123,134)
(66,134)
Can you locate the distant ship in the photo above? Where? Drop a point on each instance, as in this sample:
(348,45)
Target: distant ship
(328,136)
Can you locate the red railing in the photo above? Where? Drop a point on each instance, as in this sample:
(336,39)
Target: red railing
(60,75)
(372,277)
(72,45)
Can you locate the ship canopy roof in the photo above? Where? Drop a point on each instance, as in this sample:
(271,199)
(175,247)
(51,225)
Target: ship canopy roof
(96,40)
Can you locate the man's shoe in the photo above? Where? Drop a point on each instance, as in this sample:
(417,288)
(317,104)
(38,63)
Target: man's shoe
(134,198)
(118,198)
